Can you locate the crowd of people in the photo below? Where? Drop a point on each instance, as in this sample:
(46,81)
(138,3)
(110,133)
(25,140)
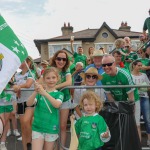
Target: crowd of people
(44,112)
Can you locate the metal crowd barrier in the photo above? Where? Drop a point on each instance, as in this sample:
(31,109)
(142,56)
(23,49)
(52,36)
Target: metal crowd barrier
(90,87)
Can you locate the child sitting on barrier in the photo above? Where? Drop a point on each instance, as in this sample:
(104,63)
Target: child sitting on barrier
(45,126)
(91,128)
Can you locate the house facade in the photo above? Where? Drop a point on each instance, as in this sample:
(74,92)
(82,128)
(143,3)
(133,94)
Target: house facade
(101,37)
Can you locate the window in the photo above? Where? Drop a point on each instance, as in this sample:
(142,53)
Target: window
(104,35)
(52,48)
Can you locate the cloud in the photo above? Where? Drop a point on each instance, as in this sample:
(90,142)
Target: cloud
(15,1)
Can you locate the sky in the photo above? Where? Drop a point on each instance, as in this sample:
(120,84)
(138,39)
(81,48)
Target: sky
(43,19)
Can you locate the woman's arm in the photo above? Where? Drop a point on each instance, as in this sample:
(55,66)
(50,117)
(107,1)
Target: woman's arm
(27,84)
(68,82)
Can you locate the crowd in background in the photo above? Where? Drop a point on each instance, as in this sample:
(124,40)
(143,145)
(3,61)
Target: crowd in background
(38,110)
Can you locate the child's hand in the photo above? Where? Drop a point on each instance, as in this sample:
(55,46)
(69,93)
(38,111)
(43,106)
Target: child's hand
(39,88)
(105,134)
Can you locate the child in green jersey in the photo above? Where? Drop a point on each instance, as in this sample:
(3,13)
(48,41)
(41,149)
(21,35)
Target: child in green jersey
(45,125)
(91,128)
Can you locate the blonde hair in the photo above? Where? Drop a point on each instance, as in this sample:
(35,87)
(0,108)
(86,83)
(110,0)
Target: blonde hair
(119,42)
(92,97)
(51,69)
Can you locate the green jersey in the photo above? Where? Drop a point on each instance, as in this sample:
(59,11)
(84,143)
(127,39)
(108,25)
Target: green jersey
(123,56)
(146,25)
(89,129)
(44,121)
(132,56)
(80,58)
(122,77)
(63,75)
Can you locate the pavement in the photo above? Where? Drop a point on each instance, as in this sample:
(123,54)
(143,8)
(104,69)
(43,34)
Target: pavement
(13,144)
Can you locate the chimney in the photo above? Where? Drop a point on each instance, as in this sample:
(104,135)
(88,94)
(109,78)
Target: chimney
(66,29)
(124,26)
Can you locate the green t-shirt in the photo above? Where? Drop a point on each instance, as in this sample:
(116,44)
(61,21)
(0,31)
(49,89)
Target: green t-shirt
(80,58)
(122,77)
(146,25)
(72,68)
(89,129)
(123,56)
(132,56)
(66,92)
(44,121)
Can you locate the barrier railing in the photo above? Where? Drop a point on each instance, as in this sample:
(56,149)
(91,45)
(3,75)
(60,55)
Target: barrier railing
(90,87)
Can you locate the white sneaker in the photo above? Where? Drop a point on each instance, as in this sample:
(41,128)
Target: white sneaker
(16,133)
(8,132)
(3,147)
(20,138)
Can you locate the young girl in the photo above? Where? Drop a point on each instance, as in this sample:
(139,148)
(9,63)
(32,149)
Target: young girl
(141,78)
(91,128)
(45,126)
(120,44)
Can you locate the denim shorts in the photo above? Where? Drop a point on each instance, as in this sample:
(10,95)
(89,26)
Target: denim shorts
(66,105)
(45,136)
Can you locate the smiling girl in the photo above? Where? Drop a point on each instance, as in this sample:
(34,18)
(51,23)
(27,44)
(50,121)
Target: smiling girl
(45,126)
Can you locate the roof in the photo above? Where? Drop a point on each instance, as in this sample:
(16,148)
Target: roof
(88,35)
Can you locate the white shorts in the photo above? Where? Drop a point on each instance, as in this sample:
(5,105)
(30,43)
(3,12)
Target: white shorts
(137,112)
(67,105)
(46,136)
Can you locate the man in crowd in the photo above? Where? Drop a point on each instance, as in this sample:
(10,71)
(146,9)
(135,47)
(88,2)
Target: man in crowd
(117,55)
(146,26)
(78,56)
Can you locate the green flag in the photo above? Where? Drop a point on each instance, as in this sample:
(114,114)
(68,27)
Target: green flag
(12,53)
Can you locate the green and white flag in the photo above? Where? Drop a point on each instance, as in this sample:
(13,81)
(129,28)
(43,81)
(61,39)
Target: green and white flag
(12,53)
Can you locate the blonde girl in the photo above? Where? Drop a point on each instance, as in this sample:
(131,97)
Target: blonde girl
(45,126)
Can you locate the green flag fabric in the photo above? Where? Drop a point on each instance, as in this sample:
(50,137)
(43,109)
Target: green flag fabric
(12,53)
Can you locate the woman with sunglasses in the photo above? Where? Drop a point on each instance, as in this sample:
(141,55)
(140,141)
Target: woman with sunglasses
(142,79)
(61,62)
(90,77)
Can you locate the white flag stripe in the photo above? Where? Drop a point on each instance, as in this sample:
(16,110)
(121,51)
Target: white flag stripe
(10,64)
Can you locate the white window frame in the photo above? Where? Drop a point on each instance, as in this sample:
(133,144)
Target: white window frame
(104,45)
(67,45)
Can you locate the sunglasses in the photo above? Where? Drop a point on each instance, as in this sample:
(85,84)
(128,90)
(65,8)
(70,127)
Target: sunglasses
(59,59)
(93,77)
(108,64)
(127,47)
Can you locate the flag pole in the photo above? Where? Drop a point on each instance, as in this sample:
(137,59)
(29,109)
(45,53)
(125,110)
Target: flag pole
(36,82)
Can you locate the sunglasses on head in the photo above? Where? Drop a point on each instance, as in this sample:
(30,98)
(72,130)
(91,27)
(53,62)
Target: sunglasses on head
(93,76)
(59,59)
(108,64)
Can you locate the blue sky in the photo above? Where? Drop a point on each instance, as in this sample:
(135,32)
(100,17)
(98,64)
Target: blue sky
(42,19)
